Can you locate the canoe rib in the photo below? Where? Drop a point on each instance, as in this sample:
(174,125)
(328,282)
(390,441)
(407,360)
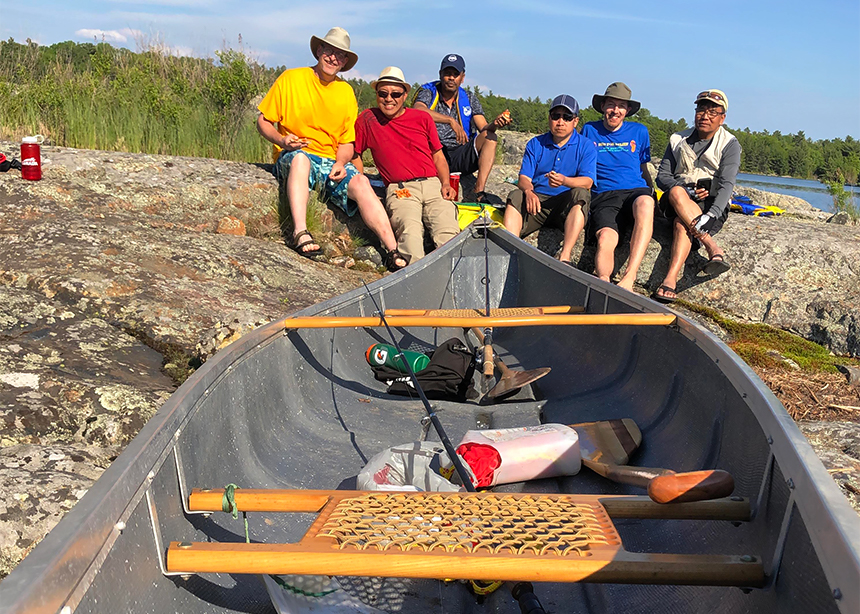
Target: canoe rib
(506,536)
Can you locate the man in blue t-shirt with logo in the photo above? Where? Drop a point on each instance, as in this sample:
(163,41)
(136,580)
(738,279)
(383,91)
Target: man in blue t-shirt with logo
(623,197)
(557,172)
(468,140)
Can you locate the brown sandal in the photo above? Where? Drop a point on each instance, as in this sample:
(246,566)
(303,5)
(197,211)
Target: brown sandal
(297,246)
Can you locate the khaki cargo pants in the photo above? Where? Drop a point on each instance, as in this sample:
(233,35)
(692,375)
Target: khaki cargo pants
(414,204)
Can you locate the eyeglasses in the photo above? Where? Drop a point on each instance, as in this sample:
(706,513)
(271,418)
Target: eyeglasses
(710,94)
(337,53)
(383,94)
(568,117)
(710,111)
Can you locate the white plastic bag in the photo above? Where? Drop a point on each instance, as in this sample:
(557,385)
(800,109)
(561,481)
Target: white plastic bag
(407,467)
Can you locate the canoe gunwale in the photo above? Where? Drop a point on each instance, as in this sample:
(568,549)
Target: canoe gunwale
(59,571)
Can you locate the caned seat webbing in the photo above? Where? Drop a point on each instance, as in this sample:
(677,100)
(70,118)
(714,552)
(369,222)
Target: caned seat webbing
(494,312)
(561,538)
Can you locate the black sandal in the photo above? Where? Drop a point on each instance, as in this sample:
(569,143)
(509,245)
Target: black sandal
(391,259)
(297,247)
(660,295)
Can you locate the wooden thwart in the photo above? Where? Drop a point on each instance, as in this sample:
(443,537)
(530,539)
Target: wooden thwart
(585,319)
(505,536)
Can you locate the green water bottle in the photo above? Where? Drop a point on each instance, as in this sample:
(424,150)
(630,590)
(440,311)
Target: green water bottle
(380,354)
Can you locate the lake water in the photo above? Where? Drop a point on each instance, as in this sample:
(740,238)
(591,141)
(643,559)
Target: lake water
(813,192)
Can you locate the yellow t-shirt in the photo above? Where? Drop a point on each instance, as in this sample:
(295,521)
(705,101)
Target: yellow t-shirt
(302,105)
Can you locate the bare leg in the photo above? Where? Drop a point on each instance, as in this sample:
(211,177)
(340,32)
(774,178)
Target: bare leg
(486,146)
(573,225)
(687,211)
(643,227)
(297,194)
(513,220)
(604,259)
(680,250)
(372,211)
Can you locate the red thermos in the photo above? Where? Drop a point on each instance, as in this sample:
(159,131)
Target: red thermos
(31,157)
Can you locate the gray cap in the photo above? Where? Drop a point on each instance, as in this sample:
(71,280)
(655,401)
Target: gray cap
(567,101)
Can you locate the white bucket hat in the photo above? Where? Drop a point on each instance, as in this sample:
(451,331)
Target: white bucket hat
(391,74)
(339,39)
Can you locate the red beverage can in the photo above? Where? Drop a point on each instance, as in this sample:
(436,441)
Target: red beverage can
(455,183)
(31,157)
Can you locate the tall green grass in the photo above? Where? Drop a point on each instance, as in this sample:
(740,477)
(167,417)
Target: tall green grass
(100,97)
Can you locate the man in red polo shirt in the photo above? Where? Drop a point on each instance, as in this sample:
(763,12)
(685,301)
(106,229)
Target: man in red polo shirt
(408,154)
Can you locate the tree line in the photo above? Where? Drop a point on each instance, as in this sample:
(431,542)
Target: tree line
(98,96)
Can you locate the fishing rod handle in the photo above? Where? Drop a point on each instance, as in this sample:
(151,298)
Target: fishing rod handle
(523,592)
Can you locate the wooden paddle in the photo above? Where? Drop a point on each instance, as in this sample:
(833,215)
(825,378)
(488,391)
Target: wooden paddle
(606,447)
(511,380)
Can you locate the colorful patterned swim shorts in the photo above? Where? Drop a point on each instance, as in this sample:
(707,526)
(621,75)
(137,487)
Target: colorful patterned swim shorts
(318,179)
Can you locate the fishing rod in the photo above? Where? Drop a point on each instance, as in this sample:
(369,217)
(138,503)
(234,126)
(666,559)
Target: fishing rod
(431,413)
(488,365)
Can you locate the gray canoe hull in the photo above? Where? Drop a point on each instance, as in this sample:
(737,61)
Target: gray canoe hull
(301,410)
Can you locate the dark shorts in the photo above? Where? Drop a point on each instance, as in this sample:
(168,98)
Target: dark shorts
(462,158)
(554,209)
(614,209)
(668,211)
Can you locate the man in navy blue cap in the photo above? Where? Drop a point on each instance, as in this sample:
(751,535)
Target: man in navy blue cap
(558,170)
(468,140)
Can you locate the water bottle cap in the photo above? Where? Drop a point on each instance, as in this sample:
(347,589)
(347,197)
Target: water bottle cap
(33,139)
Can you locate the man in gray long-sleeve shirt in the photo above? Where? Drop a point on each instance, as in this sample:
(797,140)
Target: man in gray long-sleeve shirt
(697,176)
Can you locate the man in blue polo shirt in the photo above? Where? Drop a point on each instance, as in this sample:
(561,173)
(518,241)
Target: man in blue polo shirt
(556,176)
(623,195)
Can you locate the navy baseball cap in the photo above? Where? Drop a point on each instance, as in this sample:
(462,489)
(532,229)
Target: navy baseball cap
(567,101)
(453,61)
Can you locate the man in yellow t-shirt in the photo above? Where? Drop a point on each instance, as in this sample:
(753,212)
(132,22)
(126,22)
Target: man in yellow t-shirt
(309,116)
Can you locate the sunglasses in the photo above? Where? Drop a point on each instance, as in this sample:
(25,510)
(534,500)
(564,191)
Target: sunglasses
(710,111)
(710,94)
(383,94)
(568,117)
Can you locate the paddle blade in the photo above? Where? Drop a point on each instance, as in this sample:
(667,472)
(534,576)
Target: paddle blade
(692,486)
(514,380)
(608,441)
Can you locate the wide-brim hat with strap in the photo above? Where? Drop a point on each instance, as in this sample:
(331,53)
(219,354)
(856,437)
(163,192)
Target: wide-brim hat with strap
(339,39)
(391,74)
(619,91)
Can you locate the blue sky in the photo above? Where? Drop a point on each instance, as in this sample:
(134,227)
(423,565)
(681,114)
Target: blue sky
(785,65)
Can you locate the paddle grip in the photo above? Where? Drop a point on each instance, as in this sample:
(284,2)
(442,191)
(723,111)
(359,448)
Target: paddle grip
(692,486)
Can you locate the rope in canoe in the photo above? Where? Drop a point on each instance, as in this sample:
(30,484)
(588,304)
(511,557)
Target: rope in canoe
(228,504)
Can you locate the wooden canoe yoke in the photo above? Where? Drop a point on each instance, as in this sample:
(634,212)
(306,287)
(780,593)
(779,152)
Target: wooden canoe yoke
(557,315)
(458,535)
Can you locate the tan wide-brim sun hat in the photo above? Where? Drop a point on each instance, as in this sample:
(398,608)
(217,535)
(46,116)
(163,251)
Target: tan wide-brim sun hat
(391,74)
(339,39)
(619,91)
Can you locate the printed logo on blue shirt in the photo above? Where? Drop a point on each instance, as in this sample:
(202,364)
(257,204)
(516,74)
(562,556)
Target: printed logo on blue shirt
(615,147)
